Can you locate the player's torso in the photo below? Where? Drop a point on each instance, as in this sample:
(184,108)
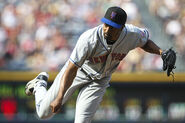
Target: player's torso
(104,60)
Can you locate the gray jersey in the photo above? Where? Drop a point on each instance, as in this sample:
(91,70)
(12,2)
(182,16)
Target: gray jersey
(99,60)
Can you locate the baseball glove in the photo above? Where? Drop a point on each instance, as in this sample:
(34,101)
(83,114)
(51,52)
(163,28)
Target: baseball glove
(169,59)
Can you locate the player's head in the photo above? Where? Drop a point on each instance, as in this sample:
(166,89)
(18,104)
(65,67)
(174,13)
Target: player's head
(115,17)
(114,21)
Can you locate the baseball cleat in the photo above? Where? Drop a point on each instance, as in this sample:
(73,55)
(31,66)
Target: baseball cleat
(31,84)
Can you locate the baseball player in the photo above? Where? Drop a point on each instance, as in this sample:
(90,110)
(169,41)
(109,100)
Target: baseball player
(95,57)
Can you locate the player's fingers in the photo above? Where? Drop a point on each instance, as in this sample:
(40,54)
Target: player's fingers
(58,110)
(55,109)
(52,108)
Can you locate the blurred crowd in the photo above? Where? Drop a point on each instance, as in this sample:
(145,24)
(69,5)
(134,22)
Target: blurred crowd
(172,15)
(39,35)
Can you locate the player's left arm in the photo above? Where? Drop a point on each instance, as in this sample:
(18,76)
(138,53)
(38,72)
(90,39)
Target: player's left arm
(151,47)
(168,56)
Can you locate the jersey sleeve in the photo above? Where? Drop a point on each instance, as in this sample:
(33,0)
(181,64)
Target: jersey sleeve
(143,36)
(81,51)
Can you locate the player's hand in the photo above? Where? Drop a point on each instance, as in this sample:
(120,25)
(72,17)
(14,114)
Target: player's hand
(169,60)
(56,105)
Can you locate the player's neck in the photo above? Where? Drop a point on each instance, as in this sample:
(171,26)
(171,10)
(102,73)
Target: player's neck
(110,42)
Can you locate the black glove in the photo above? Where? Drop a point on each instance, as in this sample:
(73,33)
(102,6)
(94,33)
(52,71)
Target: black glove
(169,59)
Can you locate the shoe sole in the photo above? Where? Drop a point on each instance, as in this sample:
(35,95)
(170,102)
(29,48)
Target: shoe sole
(30,85)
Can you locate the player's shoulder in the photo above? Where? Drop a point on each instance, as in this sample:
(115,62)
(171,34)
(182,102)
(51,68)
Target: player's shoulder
(89,37)
(137,32)
(90,33)
(133,29)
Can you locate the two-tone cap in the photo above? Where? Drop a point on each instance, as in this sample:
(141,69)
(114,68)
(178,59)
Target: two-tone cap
(115,17)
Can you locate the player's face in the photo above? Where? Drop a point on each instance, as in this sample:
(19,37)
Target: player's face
(111,33)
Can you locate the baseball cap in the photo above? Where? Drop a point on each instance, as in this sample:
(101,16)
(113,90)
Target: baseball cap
(115,16)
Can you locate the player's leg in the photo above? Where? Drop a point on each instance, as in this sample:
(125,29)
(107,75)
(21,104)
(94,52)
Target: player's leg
(43,98)
(88,101)
(42,101)
(44,110)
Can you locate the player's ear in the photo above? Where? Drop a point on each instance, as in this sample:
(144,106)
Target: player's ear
(122,27)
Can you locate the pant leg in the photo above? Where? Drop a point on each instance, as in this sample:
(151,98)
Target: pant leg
(39,94)
(88,101)
(44,98)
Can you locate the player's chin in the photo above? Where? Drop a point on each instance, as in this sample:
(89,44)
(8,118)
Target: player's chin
(107,37)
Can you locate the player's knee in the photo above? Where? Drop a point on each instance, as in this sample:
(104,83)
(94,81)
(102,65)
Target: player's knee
(44,115)
(41,116)
(83,118)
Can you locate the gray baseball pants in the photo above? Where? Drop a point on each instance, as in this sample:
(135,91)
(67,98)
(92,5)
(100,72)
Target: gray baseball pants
(88,100)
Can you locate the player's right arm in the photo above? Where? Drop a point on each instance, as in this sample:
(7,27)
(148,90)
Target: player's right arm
(80,53)
(65,83)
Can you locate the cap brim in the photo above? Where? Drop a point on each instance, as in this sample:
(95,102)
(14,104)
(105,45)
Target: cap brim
(111,23)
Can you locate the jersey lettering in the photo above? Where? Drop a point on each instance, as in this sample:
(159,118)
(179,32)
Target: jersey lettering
(117,56)
(99,59)
(122,56)
(102,59)
(96,59)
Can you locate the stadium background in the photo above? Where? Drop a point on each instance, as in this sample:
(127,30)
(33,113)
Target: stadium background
(39,35)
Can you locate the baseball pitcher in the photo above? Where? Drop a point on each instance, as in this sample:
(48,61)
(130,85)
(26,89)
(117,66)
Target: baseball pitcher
(95,57)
